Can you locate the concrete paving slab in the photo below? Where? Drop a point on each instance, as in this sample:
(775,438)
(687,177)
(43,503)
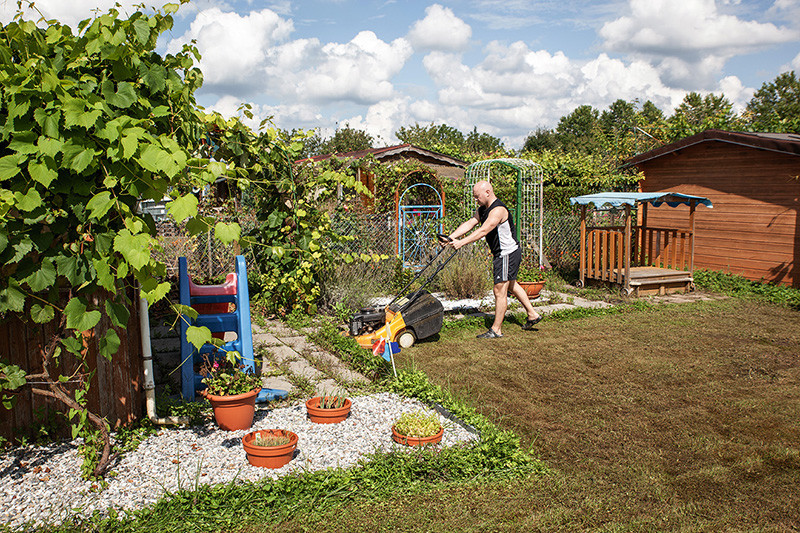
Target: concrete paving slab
(303,368)
(329,387)
(267,339)
(277,382)
(281,353)
(298,343)
(345,374)
(325,358)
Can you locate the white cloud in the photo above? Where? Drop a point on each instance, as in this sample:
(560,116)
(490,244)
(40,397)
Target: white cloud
(233,47)
(67,12)
(359,71)
(689,40)
(441,29)
(251,54)
(383,119)
(738,94)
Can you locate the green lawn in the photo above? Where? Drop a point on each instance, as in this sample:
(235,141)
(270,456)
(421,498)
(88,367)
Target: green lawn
(671,418)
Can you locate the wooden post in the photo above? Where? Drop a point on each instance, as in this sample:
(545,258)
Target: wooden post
(583,247)
(627,248)
(640,238)
(692,206)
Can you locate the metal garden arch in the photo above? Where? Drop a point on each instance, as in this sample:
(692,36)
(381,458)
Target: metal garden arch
(528,210)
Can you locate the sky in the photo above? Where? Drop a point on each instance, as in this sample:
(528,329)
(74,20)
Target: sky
(505,67)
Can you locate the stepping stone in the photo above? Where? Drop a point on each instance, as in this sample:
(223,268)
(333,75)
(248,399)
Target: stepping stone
(267,339)
(299,343)
(282,354)
(329,387)
(302,368)
(345,374)
(325,358)
(279,382)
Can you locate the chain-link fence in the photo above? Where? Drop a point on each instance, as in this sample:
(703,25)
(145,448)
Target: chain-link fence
(368,233)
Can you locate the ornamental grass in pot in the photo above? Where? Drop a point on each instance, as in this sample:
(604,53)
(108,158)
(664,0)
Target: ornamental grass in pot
(269,448)
(328,409)
(417,428)
(231,391)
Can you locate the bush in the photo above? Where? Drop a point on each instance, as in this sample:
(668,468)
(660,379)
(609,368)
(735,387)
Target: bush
(739,286)
(467,275)
(351,286)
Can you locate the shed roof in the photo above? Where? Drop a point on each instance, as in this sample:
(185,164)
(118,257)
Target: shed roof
(787,143)
(617,199)
(388,151)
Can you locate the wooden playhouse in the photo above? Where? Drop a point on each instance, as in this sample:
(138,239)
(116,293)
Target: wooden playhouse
(640,259)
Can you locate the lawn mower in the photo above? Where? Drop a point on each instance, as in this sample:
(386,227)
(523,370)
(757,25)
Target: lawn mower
(406,319)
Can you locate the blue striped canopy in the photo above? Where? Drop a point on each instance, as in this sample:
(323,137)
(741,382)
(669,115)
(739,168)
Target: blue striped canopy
(617,199)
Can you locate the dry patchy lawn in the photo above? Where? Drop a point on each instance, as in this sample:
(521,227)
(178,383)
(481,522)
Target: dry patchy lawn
(678,418)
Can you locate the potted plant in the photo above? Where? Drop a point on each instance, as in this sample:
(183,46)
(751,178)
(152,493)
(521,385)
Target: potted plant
(328,409)
(417,428)
(531,280)
(269,448)
(231,391)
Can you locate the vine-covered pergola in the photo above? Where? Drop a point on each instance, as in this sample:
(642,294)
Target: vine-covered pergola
(528,210)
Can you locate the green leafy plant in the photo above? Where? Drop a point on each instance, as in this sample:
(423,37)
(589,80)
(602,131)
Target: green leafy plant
(418,424)
(225,377)
(94,121)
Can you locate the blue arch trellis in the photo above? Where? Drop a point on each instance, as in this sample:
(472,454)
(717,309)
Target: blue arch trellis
(418,225)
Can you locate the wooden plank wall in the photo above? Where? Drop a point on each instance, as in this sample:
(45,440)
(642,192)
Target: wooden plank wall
(117,389)
(754,228)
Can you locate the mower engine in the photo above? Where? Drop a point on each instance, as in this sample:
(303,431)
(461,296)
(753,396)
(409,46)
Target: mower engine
(367,320)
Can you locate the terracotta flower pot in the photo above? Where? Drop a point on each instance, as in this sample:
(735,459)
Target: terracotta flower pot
(417,441)
(327,416)
(531,288)
(233,412)
(269,456)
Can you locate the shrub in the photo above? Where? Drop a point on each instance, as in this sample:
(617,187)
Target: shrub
(467,275)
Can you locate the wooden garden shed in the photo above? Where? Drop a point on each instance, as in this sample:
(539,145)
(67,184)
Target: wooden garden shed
(753,180)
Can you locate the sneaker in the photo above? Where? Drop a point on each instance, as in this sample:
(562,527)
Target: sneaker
(530,323)
(490,334)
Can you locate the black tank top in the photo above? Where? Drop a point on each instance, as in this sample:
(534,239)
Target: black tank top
(502,240)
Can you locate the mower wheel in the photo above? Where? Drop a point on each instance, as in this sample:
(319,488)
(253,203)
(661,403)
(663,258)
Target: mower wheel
(406,339)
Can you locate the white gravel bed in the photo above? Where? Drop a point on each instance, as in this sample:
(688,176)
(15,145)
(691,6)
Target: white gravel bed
(43,484)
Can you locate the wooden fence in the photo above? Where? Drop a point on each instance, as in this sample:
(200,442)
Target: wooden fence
(116,392)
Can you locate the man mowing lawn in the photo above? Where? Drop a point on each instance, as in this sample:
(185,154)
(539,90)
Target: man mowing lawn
(497,226)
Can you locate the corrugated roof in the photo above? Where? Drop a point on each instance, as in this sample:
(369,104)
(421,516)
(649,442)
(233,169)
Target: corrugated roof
(387,151)
(787,143)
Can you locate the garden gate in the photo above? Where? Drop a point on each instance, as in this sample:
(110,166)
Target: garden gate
(418,223)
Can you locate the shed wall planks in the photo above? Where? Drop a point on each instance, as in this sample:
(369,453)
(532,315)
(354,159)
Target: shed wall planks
(754,226)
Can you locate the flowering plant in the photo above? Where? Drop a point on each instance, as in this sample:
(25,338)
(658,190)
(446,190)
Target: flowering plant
(225,377)
(530,273)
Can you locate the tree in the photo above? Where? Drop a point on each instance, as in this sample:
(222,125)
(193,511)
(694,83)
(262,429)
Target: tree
(482,142)
(347,139)
(541,139)
(577,130)
(699,113)
(775,107)
(431,137)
